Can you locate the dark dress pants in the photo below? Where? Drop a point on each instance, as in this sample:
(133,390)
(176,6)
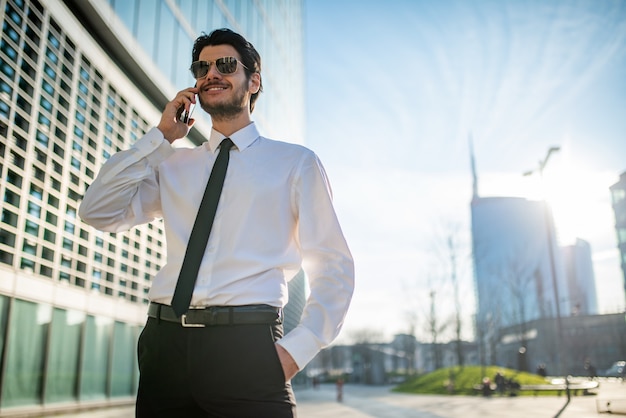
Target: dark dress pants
(217,371)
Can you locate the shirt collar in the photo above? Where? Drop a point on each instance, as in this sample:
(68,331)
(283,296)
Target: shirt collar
(242,139)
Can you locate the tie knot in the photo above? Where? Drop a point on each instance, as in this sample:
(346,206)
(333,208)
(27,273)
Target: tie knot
(226,144)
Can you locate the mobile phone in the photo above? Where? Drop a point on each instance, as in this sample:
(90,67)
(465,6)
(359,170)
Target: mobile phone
(185,115)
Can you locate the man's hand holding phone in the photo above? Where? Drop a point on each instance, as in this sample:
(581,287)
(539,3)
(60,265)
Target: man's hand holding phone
(176,119)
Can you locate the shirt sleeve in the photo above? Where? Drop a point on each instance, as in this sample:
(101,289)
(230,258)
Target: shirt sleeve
(125,193)
(327,263)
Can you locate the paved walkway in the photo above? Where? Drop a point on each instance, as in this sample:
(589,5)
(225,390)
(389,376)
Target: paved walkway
(380,402)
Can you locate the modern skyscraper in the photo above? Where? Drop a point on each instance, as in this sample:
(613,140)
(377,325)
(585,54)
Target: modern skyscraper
(512,261)
(618,195)
(80,80)
(581,282)
(518,269)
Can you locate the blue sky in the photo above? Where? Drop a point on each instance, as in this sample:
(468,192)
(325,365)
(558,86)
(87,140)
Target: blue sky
(395,88)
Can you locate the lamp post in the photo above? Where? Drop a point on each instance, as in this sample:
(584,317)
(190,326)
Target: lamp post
(549,234)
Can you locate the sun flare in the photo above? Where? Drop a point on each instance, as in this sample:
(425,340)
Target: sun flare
(580,199)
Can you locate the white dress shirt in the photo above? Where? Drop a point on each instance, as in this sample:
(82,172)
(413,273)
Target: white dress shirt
(275,216)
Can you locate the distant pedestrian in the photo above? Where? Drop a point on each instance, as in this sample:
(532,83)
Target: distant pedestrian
(591,370)
(340,390)
(541,370)
(500,383)
(486,387)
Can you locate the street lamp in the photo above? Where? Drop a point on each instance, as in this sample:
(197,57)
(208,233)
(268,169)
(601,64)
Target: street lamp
(549,232)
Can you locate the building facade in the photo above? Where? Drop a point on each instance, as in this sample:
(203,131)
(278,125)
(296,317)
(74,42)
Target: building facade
(597,339)
(618,197)
(79,81)
(518,269)
(581,281)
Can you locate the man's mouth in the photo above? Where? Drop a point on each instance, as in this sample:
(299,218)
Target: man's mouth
(215,88)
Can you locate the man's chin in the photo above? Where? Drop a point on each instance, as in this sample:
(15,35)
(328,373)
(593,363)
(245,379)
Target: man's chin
(222,110)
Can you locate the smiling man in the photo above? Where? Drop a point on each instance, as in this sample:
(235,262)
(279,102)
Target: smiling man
(213,344)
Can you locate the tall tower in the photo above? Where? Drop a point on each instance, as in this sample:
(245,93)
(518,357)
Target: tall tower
(473,166)
(618,195)
(513,270)
(581,281)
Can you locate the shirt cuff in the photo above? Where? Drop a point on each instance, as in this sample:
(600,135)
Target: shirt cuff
(153,146)
(301,344)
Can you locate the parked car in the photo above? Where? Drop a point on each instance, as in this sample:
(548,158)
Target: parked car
(616,370)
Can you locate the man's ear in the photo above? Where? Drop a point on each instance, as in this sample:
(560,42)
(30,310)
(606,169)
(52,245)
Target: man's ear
(254,84)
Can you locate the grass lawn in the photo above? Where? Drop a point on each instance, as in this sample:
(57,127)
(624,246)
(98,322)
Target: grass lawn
(464,380)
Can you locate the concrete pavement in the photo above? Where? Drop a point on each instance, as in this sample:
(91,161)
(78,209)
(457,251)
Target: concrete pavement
(380,402)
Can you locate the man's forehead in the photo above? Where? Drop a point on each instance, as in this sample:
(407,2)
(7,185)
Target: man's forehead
(212,52)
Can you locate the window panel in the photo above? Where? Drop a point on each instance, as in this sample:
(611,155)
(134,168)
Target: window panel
(25,354)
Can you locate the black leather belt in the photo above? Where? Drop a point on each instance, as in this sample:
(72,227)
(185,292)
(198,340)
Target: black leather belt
(218,315)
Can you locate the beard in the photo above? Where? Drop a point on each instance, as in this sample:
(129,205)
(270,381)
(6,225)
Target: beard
(228,109)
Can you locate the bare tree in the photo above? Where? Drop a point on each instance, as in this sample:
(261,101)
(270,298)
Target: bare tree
(448,255)
(457,303)
(410,344)
(364,342)
(435,328)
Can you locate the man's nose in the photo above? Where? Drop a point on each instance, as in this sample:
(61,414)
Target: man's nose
(213,73)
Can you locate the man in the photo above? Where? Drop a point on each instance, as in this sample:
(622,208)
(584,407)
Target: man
(224,354)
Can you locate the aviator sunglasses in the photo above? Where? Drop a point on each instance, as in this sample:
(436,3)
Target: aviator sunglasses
(224,65)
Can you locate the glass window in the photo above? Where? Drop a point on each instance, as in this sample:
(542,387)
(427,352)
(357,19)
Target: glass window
(34,209)
(94,358)
(8,50)
(23,103)
(14,178)
(29,247)
(25,355)
(68,244)
(122,359)
(618,195)
(9,218)
(83,88)
(26,86)
(31,228)
(54,41)
(36,192)
(52,56)
(42,138)
(49,71)
(145,28)
(62,367)
(126,10)
(182,60)
(47,254)
(12,198)
(49,236)
(7,238)
(165,47)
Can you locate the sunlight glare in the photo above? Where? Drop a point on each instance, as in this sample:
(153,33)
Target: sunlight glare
(579,198)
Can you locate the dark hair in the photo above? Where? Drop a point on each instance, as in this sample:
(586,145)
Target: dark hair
(249,56)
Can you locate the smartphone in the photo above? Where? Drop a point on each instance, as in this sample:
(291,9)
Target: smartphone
(185,115)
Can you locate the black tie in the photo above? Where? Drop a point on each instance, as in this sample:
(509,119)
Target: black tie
(200,232)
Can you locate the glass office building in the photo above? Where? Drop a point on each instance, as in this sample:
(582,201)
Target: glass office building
(79,81)
(618,199)
(513,263)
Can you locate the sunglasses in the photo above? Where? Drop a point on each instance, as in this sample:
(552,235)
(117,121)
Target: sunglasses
(224,65)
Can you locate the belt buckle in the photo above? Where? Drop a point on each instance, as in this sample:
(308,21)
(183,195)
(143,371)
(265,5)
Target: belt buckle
(185,324)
